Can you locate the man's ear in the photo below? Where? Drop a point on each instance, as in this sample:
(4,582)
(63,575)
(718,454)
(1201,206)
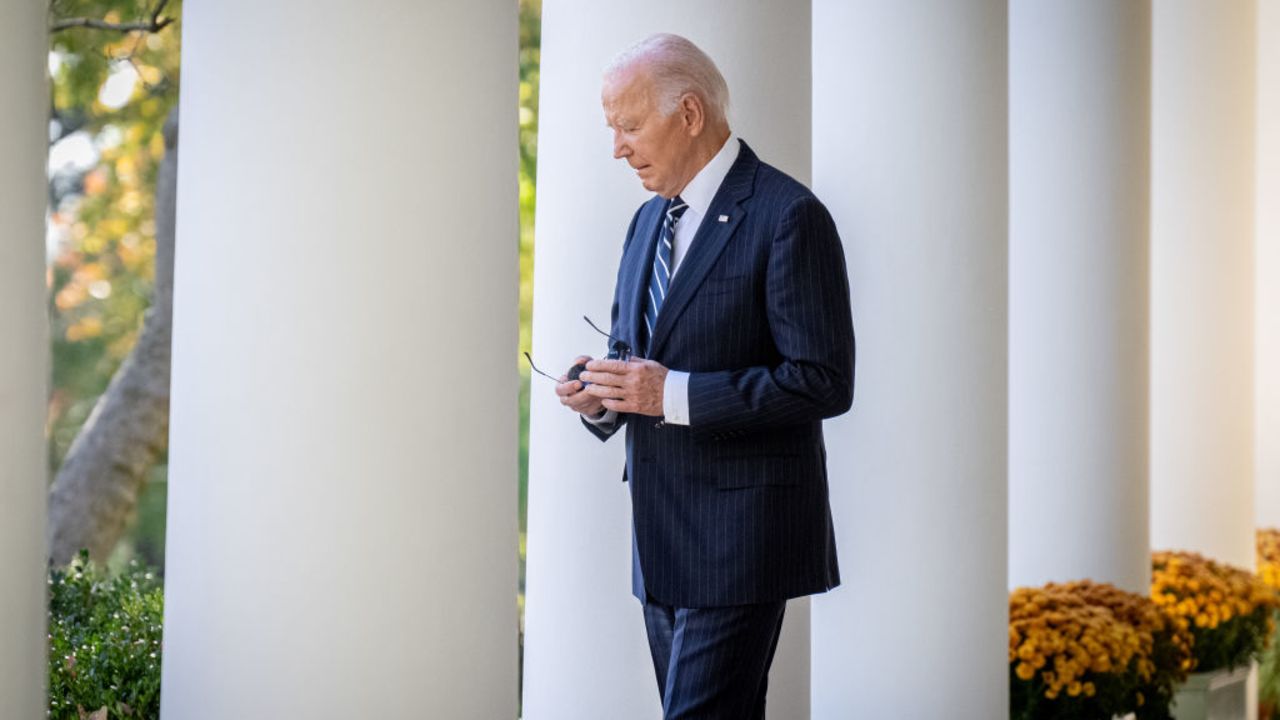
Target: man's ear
(693,114)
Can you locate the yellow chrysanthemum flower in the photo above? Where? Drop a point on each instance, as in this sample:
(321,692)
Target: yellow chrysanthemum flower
(1203,595)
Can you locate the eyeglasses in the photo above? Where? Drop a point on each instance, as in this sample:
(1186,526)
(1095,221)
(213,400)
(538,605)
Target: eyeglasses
(618,350)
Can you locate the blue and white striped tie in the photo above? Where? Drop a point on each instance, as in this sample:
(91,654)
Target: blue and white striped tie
(661,277)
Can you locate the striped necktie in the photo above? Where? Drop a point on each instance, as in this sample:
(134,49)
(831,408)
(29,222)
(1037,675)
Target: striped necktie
(661,277)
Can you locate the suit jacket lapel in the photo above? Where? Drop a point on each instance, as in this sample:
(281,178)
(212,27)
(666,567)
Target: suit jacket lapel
(707,244)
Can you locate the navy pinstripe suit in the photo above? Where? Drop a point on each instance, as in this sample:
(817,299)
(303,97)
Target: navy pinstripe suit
(731,515)
(732,509)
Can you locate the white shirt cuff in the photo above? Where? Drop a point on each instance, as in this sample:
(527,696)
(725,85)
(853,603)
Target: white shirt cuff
(675,398)
(609,418)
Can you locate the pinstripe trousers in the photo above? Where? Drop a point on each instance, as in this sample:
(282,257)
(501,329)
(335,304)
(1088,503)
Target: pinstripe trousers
(713,663)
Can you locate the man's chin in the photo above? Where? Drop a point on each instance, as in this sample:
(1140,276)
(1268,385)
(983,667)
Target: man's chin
(653,187)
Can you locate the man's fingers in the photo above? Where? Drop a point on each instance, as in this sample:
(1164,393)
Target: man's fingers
(605,391)
(581,359)
(605,365)
(603,378)
(578,401)
(567,389)
(583,403)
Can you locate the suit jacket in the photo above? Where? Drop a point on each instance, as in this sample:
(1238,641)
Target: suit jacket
(733,509)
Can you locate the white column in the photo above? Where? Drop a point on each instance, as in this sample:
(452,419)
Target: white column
(910,154)
(1079,89)
(1267,288)
(24,350)
(1202,219)
(342,509)
(586,656)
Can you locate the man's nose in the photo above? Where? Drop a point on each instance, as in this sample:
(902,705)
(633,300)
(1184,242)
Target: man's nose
(620,149)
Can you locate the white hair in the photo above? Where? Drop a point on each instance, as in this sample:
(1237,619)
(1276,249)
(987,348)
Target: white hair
(676,67)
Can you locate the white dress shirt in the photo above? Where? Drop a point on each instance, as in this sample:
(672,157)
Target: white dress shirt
(698,195)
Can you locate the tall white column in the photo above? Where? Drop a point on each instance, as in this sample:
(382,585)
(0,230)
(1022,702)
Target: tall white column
(910,155)
(1202,219)
(342,506)
(24,365)
(1079,89)
(586,656)
(1267,288)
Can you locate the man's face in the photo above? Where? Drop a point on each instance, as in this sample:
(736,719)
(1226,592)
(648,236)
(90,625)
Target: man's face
(656,146)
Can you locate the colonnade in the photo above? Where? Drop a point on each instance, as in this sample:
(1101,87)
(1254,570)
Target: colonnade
(1062,249)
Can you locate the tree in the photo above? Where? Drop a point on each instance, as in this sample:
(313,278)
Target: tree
(116,260)
(96,489)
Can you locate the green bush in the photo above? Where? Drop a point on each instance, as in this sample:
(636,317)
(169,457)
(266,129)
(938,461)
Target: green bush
(1269,681)
(104,641)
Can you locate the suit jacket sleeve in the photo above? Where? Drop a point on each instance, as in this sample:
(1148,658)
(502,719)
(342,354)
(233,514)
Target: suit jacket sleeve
(604,432)
(807,303)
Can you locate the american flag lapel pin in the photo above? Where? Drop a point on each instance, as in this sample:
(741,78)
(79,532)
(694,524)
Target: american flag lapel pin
(724,218)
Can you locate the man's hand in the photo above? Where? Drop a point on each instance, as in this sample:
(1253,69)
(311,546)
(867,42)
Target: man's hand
(634,386)
(572,397)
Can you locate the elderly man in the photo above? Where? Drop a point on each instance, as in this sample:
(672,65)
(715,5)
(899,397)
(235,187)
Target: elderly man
(732,292)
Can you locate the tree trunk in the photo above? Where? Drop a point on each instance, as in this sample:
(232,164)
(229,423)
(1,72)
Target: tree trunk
(95,493)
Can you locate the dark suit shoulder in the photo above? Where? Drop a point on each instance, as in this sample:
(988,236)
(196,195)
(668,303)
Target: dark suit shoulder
(780,189)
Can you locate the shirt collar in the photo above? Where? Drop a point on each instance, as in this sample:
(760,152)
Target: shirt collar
(701,190)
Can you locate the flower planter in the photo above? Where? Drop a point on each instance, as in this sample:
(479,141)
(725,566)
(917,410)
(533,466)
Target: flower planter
(1219,695)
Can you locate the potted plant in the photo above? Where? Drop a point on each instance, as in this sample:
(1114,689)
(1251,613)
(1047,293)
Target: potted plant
(1086,650)
(1229,612)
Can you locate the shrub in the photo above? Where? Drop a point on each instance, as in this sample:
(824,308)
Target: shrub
(104,642)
